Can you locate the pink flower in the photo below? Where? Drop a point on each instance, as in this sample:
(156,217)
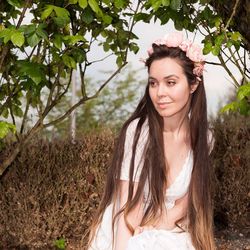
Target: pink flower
(150,51)
(198,69)
(160,41)
(184,46)
(174,39)
(194,53)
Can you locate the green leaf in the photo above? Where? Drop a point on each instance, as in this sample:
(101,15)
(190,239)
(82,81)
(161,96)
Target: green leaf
(119,3)
(69,61)
(229,43)
(219,40)
(216,50)
(33,70)
(95,7)
(88,16)
(175,4)
(61,12)
(156,5)
(243,91)
(244,107)
(5,113)
(28,29)
(217,22)
(79,55)
(107,19)
(106,46)
(119,61)
(42,33)
(165,2)
(33,40)
(235,36)
(74,39)
(134,47)
(6,34)
(233,106)
(60,244)
(72,1)
(83,3)
(57,41)
(17,38)
(48,10)
(61,21)
(17,111)
(5,128)
(15,3)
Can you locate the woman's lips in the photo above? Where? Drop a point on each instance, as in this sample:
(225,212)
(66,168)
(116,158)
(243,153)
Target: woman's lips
(163,105)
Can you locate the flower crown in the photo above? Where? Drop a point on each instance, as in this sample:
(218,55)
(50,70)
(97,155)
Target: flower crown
(193,51)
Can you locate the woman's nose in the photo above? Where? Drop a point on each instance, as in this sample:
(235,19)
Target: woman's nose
(162,90)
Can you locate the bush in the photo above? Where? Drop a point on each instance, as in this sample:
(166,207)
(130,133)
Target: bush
(231,162)
(49,194)
(51,191)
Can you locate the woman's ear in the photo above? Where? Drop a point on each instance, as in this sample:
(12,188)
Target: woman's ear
(193,87)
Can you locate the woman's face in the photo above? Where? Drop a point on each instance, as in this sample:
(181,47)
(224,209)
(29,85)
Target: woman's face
(168,87)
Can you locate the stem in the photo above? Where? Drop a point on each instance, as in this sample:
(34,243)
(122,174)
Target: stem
(25,115)
(232,15)
(236,62)
(228,71)
(84,99)
(131,28)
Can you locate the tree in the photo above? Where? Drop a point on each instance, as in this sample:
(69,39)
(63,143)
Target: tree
(223,32)
(113,106)
(37,59)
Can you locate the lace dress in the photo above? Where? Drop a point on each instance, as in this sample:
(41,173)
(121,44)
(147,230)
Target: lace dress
(153,239)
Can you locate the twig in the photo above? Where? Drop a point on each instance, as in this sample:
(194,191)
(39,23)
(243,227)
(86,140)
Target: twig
(84,99)
(228,71)
(100,60)
(232,15)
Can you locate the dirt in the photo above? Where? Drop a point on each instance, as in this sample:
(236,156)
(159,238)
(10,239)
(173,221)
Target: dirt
(233,239)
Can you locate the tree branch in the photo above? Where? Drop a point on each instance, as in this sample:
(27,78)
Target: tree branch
(232,15)
(84,99)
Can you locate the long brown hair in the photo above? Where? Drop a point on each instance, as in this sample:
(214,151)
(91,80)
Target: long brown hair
(199,212)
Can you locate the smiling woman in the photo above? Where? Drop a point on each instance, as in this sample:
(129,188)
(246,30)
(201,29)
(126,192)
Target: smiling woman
(157,193)
(168,87)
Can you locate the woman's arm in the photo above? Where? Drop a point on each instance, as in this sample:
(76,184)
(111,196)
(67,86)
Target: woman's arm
(134,217)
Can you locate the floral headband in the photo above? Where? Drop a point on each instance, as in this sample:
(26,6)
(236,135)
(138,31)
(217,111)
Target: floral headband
(193,51)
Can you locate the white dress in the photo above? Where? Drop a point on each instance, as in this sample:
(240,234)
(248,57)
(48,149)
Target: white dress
(153,239)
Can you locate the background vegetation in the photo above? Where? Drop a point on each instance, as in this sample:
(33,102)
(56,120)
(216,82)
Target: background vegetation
(49,189)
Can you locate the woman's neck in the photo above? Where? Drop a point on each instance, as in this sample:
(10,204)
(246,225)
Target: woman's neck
(176,126)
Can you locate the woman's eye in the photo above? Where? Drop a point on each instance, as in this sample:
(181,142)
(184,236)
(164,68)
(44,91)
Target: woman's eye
(171,83)
(152,83)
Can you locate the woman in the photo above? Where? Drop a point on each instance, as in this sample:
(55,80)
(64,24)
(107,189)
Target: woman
(157,193)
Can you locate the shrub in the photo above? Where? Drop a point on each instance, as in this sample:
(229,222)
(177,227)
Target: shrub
(51,191)
(231,162)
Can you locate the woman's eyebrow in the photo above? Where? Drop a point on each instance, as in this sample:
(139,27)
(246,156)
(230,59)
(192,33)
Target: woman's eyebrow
(166,77)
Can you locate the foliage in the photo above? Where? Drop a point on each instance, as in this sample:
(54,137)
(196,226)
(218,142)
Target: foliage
(113,106)
(60,243)
(230,160)
(221,36)
(242,104)
(37,58)
(54,188)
